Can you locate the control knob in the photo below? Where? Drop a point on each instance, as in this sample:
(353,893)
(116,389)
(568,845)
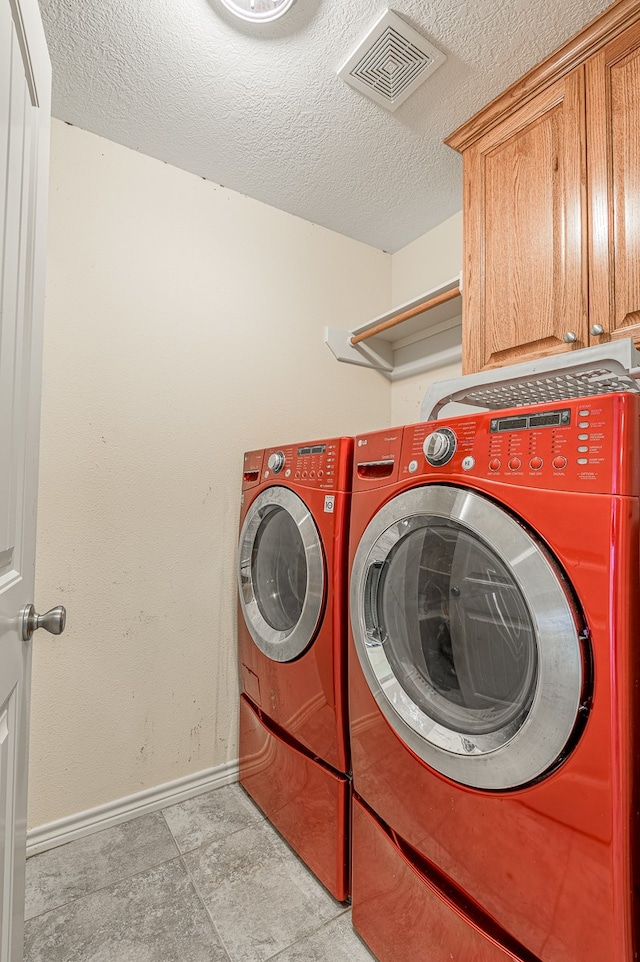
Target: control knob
(276,461)
(439,446)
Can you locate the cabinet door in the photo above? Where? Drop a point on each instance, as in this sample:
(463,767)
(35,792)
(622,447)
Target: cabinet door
(613,127)
(525,278)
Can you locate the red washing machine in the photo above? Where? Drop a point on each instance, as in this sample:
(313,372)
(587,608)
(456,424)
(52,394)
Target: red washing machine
(494,686)
(292,639)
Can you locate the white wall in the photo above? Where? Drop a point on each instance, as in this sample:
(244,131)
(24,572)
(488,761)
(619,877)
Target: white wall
(183,326)
(429,261)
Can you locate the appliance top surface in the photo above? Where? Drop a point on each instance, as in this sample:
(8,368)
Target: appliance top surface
(585,445)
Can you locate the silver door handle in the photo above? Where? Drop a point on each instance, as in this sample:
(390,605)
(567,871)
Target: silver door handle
(596,330)
(53,621)
(570,337)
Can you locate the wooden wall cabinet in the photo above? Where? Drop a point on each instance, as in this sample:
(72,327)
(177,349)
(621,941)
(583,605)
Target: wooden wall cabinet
(613,138)
(552,202)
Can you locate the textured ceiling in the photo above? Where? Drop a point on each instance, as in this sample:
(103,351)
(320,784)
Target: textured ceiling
(259,108)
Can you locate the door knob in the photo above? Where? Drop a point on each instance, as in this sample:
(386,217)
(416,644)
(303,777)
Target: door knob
(52,621)
(570,337)
(596,329)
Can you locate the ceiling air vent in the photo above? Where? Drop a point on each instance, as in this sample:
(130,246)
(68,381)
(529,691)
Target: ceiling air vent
(391,62)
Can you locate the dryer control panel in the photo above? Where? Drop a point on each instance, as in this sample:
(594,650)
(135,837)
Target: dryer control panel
(314,464)
(588,444)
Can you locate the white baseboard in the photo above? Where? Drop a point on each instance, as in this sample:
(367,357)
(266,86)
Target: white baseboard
(64,830)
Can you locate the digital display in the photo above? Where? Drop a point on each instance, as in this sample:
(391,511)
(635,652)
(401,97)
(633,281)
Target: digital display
(512,424)
(544,420)
(523,422)
(313,449)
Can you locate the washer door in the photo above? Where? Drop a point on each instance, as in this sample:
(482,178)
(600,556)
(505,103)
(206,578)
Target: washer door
(467,637)
(281,576)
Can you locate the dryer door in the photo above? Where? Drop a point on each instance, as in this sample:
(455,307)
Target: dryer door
(281,577)
(467,637)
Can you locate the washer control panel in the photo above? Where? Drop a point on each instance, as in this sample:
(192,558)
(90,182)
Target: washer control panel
(275,462)
(440,446)
(586,444)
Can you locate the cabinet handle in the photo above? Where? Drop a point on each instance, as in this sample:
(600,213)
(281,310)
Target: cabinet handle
(596,330)
(570,337)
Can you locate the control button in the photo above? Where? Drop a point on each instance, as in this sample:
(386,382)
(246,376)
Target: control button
(413,467)
(312,474)
(276,461)
(536,463)
(468,463)
(559,463)
(583,460)
(515,463)
(297,475)
(304,474)
(287,473)
(583,424)
(266,474)
(584,414)
(583,437)
(583,448)
(439,447)
(494,464)
(320,473)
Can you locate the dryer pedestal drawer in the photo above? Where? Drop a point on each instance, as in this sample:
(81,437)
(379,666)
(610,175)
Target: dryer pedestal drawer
(401,914)
(305,801)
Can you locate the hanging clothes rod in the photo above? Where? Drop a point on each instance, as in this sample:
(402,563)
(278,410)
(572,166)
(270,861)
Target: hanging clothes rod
(413,312)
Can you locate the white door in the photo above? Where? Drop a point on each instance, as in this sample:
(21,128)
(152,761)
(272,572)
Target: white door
(24,133)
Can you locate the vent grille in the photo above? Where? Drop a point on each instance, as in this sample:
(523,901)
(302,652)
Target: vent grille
(391,62)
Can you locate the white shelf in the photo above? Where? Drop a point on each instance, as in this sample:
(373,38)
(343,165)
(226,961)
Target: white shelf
(421,343)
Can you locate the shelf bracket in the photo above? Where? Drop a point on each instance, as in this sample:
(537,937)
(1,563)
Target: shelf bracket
(364,355)
(372,345)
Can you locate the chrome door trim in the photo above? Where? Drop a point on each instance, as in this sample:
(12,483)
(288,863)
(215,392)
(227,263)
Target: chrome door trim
(286,645)
(521,752)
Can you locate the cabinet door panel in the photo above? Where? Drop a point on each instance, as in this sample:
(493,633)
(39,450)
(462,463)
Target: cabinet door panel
(525,229)
(613,119)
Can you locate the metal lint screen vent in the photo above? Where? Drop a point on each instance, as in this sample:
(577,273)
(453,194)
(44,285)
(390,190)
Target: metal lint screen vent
(391,62)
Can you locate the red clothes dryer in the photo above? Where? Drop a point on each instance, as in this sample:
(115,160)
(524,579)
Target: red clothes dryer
(495,685)
(292,637)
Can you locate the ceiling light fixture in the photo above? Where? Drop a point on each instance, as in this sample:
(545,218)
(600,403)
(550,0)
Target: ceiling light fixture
(258,11)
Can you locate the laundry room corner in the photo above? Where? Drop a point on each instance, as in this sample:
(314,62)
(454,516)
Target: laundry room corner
(421,266)
(183,326)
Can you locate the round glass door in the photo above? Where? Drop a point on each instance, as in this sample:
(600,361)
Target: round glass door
(467,637)
(280,574)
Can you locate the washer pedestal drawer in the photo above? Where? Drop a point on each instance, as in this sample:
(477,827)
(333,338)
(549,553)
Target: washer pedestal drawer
(400,914)
(306,801)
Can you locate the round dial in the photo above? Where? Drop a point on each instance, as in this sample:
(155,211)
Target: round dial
(259,11)
(276,461)
(439,446)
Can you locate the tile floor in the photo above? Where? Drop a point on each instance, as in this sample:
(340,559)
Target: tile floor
(208,880)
